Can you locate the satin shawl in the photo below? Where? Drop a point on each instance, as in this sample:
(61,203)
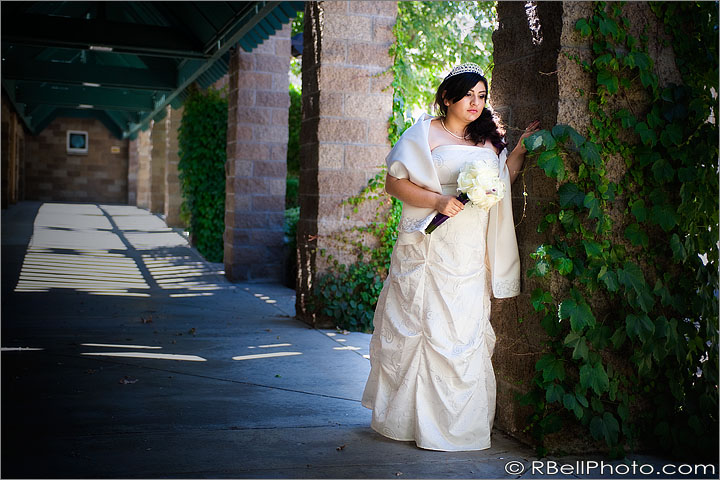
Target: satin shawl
(411,158)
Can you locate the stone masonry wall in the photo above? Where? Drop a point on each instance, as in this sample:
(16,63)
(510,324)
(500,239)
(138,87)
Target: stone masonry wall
(158,159)
(346,104)
(53,175)
(173,194)
(144,152)
(257,136)
(133,172)
(13,147)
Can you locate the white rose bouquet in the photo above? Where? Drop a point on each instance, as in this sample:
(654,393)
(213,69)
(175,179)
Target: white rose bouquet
(478,184)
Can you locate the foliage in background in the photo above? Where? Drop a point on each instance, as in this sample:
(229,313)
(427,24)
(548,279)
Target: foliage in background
(298,23)
(632,353)
(427,47)
(202,139)
(348,293)
(293,151)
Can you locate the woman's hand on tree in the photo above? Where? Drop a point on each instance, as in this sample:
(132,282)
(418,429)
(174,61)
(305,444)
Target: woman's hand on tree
(532,128)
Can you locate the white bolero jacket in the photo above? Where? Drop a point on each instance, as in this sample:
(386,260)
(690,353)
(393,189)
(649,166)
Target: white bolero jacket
(411,158)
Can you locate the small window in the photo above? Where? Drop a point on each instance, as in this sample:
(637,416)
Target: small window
(77,142)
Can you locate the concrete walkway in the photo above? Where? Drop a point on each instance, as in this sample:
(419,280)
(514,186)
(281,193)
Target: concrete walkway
(126,355)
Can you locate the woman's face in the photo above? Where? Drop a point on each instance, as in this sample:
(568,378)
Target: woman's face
(469,107)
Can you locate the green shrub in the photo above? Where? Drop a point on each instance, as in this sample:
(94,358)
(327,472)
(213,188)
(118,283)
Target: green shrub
(202,140)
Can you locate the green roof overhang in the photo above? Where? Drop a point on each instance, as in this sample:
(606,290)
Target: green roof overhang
(123,62)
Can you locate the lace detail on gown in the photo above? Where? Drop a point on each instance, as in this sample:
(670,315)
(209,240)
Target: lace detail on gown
(431,377)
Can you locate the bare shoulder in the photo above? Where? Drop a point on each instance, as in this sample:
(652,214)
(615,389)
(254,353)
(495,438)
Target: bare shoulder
(435,134)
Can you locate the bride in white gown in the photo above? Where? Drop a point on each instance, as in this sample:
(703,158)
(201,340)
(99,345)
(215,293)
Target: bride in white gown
(431,377)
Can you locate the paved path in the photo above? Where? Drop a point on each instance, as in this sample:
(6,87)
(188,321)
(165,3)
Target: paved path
(126,355)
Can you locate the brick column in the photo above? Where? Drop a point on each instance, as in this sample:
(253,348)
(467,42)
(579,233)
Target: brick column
(346,105)
(256,166)
(144,154)
(158,159)
(133,166)
(173,195)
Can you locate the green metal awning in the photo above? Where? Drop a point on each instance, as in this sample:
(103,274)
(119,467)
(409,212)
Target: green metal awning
(123,62)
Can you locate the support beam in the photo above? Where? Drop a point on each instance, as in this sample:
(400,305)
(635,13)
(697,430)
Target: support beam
(51,31)
(77,73)
(74,96)
(248,21)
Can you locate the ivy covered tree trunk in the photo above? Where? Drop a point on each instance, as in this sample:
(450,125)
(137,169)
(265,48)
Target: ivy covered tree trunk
(625,283)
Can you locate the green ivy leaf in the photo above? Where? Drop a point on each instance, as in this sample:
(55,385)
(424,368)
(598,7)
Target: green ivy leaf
(590,155)
(569,194)
(641,60)
(608,428)
(608,26)
(570,402)
(627,120)
(594,376)
(592,248)
(638,209)
(609,277)
(639,326)
(554,393)
(579,314)
(648,79)
(672,135)
(677,247)
(631,276)
(564,266)
(579,345)
(539,298)
(665,216)
(583,27)
(552,164)
(580,397)
(647,136)
(662,170)
(637,235)
(551,367)
(534,141)
(592,204)
(608,80)
(623,412)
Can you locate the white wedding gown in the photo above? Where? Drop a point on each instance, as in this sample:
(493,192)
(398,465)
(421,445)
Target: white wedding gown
(431,377)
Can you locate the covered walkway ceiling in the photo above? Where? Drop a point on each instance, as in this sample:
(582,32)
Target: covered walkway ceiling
(123,62)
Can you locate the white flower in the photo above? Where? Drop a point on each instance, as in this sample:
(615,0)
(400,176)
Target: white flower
(481,184)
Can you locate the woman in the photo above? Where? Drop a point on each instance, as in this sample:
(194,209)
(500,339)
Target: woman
(431,378)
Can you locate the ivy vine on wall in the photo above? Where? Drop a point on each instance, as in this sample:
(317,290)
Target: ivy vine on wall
(632,350)
(202,140)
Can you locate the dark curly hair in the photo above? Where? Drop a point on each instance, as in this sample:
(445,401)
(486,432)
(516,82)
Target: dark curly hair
(487,126)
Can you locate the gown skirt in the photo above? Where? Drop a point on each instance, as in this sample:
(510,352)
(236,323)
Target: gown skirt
(431,378)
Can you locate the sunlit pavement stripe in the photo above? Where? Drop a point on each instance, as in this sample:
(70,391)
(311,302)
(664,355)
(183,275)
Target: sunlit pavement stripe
(114,345)
(154,356)
(266,355)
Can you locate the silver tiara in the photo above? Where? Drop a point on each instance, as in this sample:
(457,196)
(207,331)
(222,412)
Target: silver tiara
(464,68)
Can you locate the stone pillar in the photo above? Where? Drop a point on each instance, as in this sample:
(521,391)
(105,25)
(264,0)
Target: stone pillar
(12,138)
(256,167)
(158,159)
(346,105)
(173,194)
(133,166)
(144,154)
